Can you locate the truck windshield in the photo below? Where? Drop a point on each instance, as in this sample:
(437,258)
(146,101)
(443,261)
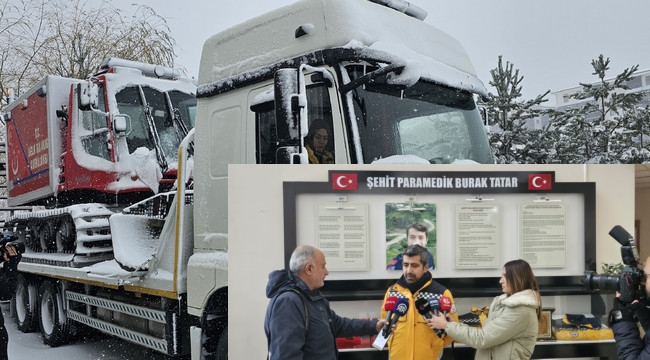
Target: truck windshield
(155,113)
(431,121)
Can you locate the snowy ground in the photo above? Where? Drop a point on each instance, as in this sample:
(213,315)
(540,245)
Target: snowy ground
(99,346)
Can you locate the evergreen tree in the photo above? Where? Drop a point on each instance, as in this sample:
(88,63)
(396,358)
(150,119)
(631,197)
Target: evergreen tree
(574,137)
(633,144)
(508,115)
(597,130)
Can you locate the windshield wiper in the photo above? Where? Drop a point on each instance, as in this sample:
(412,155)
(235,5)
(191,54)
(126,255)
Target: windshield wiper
(154,132)
(367,78)
(179,126)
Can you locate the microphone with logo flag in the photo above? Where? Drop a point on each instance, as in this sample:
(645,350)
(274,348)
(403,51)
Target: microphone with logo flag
(401,307)
(389,306)
(445,305)
(434,303)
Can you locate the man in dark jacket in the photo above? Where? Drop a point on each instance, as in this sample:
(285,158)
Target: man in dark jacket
(299,322)
(622,320)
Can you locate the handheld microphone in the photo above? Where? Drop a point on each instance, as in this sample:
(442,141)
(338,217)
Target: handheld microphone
(445,305)
(401,308)
(424,308)
(435,307)
(389,306)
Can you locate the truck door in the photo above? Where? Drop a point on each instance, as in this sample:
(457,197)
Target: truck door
(276,141)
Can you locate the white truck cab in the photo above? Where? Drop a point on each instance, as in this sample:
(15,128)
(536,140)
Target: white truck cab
(390,87)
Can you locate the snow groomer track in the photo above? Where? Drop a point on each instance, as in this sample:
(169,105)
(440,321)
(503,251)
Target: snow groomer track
(74,236)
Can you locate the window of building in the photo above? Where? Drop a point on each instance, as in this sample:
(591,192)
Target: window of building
(634,82)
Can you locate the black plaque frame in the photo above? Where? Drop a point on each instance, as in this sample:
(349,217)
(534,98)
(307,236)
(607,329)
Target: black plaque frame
(374,289)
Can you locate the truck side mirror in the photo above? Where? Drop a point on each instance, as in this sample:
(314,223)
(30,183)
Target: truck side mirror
(120,123)
(289,103)
(287,93)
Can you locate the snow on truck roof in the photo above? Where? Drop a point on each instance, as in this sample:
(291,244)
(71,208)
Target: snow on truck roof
(270,38)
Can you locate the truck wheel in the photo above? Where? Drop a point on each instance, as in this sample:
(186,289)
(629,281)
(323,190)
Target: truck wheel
(65,235)
(47,236)
(54,327)
(26,300)
(222,346)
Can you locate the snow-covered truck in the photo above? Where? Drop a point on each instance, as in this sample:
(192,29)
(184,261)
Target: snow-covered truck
(390,87)
(83,150)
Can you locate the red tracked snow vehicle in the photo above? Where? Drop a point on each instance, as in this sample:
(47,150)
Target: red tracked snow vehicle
(83,147)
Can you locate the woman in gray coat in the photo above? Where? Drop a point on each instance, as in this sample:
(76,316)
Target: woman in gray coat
(510,330)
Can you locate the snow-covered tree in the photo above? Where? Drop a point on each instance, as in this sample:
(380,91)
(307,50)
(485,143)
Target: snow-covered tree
(574,137)
(72,38)
(508,114)
(633,143)
(599,129)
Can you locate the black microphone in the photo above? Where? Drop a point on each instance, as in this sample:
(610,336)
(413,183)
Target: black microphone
(424,308)
(434,303)
(401,308)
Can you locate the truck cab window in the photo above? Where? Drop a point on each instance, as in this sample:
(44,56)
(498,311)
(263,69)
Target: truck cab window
(319,141)
(94,129)
(319,112)
(428,120)
(267,137)
(130,103)
(163,123)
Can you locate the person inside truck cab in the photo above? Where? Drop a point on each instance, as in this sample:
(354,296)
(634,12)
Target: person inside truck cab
(316,143)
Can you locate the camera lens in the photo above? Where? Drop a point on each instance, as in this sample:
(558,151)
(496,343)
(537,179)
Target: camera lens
(602,282)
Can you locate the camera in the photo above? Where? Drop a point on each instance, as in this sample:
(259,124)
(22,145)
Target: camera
(12,241)
(628,283)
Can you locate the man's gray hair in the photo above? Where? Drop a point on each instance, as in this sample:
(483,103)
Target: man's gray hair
(303,255)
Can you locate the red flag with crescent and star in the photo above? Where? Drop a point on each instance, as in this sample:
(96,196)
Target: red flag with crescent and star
(346,182)
(540,182)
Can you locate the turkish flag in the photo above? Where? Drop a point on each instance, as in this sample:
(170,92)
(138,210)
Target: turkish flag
(346,182)
(540,182)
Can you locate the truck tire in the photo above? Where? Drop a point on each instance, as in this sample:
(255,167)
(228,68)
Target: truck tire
(26,299)
(54,327)
(222,346)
